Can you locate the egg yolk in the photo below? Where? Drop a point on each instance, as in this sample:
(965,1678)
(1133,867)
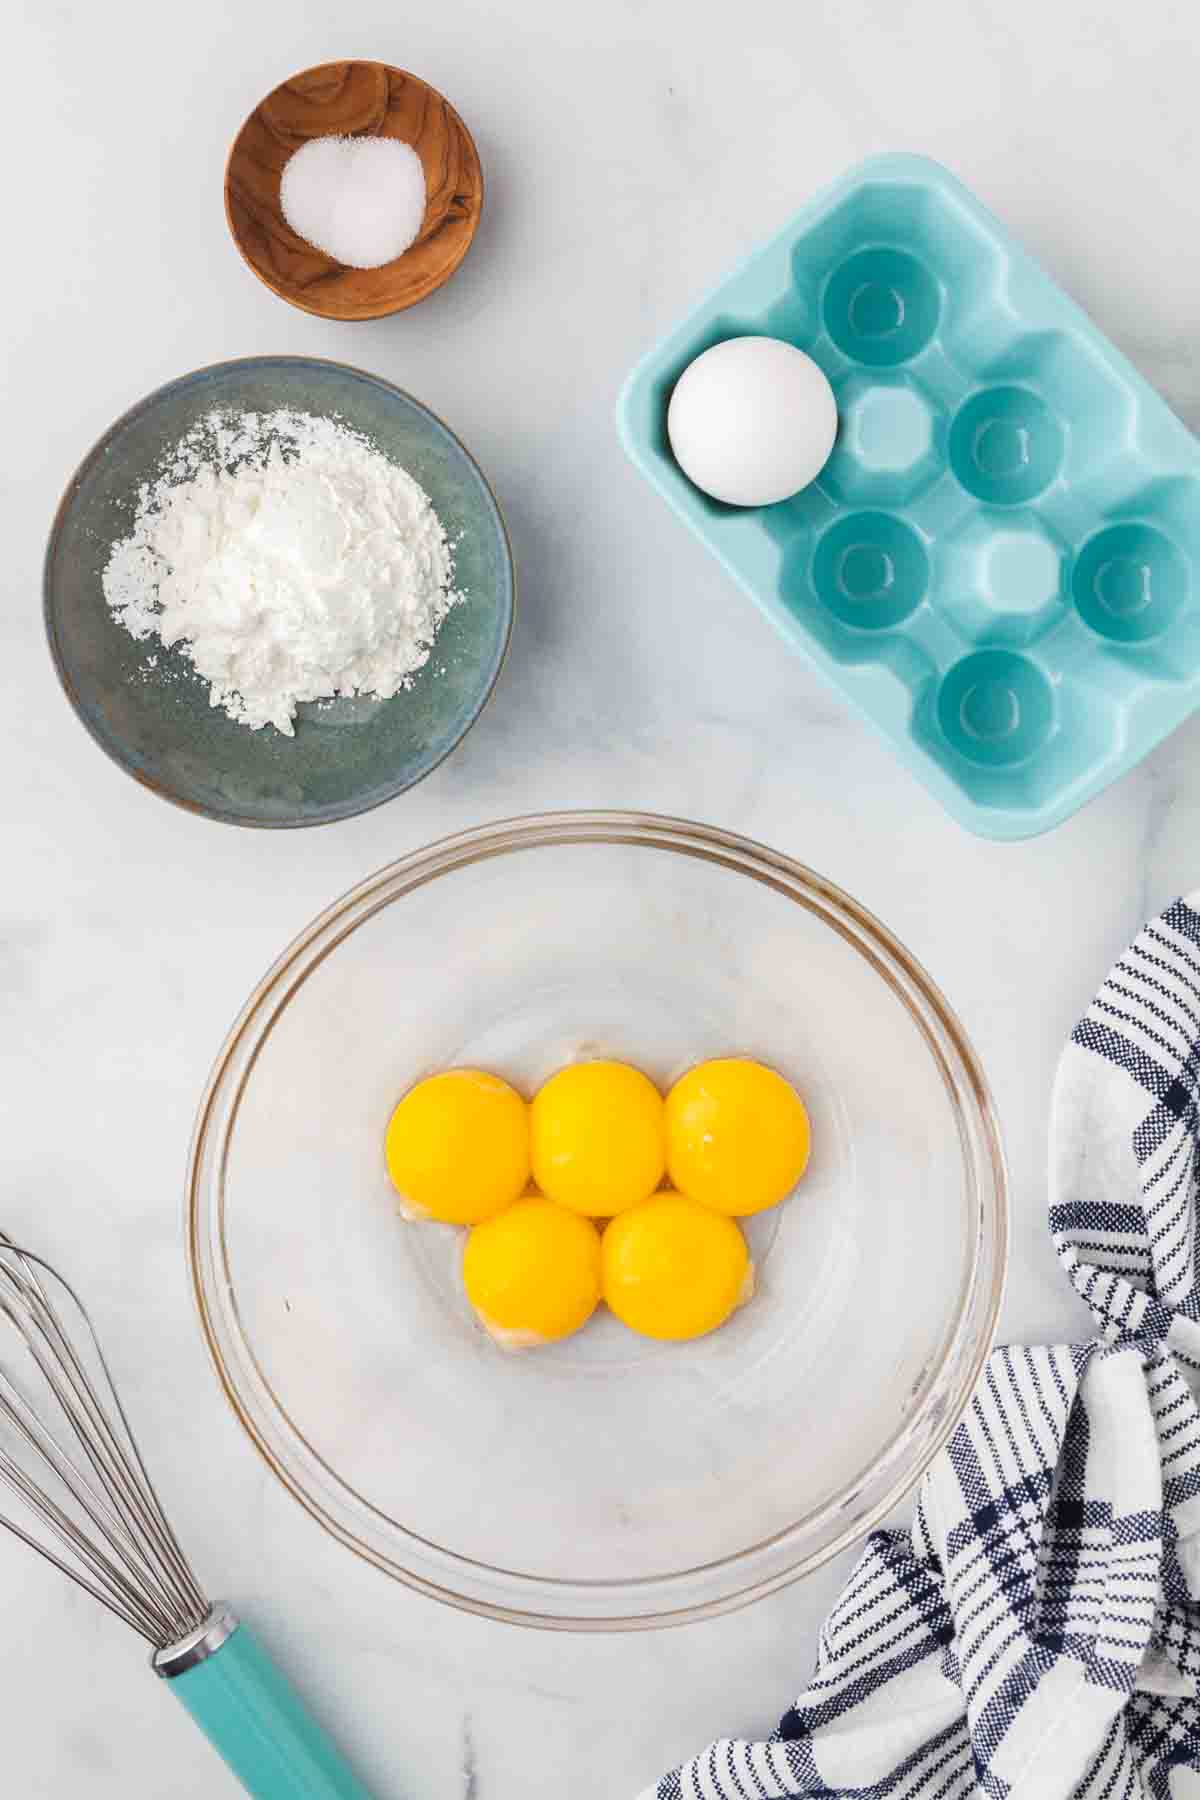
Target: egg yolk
(737,1136)
(674,1269)
(598,1138)
(458,1147)
(533,1273)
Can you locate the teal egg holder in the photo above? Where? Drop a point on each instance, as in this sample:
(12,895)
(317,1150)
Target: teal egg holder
(997,566)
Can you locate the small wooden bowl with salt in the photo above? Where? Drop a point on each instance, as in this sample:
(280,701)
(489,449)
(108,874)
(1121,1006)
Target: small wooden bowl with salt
(352,100)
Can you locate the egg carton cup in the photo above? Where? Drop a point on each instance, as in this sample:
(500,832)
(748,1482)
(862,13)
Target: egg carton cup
(997,566)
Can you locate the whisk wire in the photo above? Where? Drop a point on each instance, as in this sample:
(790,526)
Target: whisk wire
(130,1560)
(81,1581)
(91,1501)
(116,1587)
(131,1527)
(100,1505)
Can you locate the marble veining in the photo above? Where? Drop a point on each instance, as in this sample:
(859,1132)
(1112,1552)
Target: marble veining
(631,153)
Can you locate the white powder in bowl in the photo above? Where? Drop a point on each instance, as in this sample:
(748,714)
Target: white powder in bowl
(289,559)
(360,199)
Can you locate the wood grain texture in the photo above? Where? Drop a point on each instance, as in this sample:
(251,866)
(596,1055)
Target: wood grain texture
(365,99)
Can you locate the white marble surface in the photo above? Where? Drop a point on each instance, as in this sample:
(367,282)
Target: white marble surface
(632,151)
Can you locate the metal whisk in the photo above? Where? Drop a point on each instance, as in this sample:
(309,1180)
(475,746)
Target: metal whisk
(68,1455)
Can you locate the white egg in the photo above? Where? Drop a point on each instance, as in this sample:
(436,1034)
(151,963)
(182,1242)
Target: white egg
(752,421)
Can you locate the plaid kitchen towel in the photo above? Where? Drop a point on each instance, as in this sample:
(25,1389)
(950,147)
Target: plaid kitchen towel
(1037,1633)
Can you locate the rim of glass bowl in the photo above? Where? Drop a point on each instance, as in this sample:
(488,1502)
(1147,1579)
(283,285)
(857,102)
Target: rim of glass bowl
(683,1595)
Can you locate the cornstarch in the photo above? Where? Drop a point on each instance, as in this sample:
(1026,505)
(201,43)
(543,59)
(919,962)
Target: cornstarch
(289,560)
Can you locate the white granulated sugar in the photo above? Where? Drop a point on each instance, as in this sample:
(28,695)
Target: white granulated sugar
(360,199)
(289,559)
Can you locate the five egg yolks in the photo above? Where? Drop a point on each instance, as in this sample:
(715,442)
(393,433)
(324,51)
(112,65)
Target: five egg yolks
(732,1138)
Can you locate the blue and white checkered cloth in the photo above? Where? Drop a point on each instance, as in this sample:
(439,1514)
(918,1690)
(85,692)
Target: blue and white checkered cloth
(1037,1633)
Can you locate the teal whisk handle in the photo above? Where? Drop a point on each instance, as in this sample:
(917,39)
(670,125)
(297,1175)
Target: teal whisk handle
(253,1717)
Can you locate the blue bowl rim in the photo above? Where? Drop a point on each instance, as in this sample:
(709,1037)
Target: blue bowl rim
(112,748)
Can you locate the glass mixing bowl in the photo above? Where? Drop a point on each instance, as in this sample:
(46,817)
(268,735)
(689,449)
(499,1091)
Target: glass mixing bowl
(608,1481)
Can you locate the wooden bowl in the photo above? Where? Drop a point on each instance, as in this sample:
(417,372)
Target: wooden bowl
(360,99)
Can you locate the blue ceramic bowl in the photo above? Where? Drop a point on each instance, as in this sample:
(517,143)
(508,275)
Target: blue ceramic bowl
(154,717)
